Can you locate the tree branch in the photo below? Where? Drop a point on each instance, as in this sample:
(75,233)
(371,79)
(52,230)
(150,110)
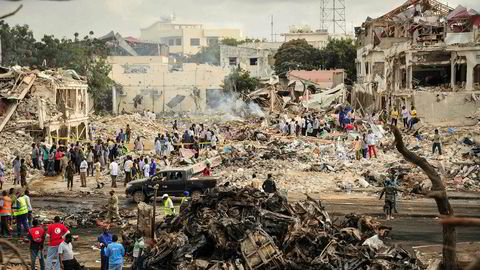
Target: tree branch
(460,222)
(11,13)
(440,196)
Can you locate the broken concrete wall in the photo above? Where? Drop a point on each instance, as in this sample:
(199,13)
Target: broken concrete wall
(256,61)
(446,108)
(153,78)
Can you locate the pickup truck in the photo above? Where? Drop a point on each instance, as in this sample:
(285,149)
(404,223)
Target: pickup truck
(170,181)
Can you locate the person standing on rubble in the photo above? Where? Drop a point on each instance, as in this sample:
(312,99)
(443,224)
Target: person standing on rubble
(69,173)
(83,173)
(98,168)
(58,159)
(146,168)
(127,167)
(90,157)
(413,119)
(128,133)
(23,173)
(16,170)
(36,235)
(138,145)
(394,116)
(26,195)
(114,173)
(372,141)
(437,143)
(56,232)
(21,214)
(269,185)
(168,207)
(105,239)
(113,207)
(35,154)
(45,158)
(358,148)
(115,253)
(390,192)
(5,214)
(153,167)
(405,116)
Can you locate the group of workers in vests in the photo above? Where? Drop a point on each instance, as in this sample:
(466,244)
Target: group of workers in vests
(18,207)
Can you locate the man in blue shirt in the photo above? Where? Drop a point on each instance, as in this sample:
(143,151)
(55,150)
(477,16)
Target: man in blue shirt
(105,239)
(115,253)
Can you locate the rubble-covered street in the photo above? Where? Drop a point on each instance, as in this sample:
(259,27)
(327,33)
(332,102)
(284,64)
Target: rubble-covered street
(186,147)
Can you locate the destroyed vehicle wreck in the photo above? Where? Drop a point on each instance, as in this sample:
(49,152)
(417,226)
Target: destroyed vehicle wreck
(244,228)
(52,105)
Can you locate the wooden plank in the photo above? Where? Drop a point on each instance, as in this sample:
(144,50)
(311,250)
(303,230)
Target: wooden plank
(29,80)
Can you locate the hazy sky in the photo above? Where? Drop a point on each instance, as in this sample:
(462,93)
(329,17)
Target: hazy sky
(63,18)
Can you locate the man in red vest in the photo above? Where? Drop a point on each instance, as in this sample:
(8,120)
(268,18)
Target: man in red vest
(36,235)
(56,232)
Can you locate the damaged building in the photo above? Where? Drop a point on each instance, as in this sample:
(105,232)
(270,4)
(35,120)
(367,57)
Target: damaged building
(150,83)
(258,62)
(51,105)
(423,54)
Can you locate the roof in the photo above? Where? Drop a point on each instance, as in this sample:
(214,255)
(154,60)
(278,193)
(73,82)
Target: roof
(411,5)
(316,76)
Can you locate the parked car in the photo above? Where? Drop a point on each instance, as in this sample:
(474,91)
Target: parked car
(170,181)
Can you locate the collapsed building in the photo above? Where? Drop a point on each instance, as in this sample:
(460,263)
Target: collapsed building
(51,105)
(424,54)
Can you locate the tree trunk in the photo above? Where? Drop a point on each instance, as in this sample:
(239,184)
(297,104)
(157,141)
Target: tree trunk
(441,199)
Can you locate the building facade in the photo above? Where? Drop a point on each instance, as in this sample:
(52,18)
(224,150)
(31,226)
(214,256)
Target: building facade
(423,54)
(149,83)
(186,39)
(256,61)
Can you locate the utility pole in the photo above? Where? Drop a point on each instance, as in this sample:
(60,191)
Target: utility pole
(163,81)
(155,188)
(271,29)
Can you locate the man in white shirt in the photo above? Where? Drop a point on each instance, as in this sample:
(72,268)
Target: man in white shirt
(83,173)
(127,167)
(114,173)
(371,141)
(146,168)
(65,252)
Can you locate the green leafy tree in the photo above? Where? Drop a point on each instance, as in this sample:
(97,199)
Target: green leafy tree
(240,81)
(341,54)
(296,55)
(18,44)
(87,56)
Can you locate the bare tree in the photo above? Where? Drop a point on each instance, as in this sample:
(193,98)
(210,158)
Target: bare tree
(439,194)
(11,13)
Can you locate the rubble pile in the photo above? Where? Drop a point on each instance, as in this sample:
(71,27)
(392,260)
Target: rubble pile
(82,218)
(108,126)
(244,228)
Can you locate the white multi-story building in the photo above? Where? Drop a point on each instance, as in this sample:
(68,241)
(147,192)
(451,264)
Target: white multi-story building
(186,39)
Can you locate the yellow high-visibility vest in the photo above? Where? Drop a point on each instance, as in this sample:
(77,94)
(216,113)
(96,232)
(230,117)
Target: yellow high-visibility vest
(167,209)
(22,207)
